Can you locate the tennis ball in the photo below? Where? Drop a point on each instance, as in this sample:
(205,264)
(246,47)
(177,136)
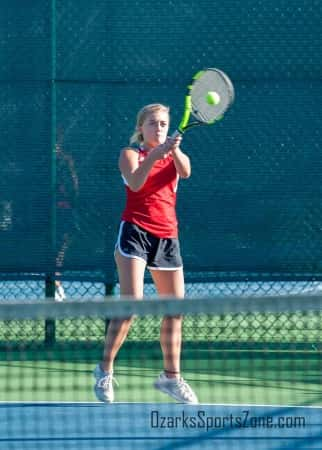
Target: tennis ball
(213,98)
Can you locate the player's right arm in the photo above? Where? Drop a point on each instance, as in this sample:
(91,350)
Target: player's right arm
(134,173)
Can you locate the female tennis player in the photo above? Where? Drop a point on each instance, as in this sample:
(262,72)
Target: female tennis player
(148,237)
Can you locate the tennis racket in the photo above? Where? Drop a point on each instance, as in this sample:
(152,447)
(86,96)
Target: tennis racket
(208,97)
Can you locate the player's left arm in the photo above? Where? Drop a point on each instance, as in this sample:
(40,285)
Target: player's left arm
(180,159)
(182,163)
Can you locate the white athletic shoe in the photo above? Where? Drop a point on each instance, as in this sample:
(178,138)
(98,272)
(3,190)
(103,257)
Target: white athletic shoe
(104,385)
(177,388)
(60,295)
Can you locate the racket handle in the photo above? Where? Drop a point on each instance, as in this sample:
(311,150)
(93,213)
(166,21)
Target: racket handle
(176,133)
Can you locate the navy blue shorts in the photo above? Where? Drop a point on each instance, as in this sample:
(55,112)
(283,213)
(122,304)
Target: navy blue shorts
(158,253)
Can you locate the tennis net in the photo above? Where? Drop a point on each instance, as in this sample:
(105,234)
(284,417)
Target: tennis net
(254,362)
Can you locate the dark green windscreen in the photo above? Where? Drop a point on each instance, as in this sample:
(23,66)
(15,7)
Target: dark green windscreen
(73,75)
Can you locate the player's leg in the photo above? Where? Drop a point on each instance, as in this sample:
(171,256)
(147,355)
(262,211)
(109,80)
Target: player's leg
(131,279)
(171,283)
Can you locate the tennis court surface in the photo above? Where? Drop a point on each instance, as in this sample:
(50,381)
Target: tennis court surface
(158,426)
(254,362)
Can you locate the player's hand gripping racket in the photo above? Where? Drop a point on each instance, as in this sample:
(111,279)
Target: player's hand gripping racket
(209,96)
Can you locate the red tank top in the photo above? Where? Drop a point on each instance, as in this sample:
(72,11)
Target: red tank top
(153,206)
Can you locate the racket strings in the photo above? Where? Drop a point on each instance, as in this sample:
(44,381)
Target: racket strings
(212,80)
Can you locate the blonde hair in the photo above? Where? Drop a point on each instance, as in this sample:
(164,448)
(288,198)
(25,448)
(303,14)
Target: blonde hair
(137,137)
